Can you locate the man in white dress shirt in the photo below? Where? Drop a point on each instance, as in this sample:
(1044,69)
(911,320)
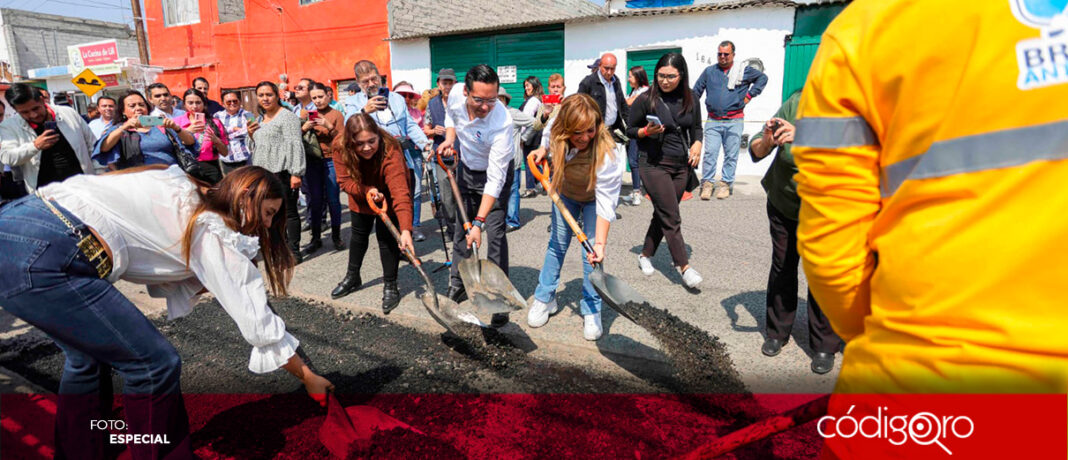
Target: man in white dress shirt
(482,129)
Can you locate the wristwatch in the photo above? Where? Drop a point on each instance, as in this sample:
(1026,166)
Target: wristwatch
(479,222)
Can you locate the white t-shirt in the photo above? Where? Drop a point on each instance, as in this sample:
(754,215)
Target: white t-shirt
(486,144)
(142,217)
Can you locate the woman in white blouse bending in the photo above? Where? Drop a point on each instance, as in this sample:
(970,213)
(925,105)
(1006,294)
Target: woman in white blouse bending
(62,249)
(588,178)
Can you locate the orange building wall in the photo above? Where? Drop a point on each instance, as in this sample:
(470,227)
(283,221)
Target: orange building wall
(321,41)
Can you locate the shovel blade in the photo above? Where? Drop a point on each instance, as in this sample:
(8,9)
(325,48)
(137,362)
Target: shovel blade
(616,293)
(488,287)
(440,310)
(347,428)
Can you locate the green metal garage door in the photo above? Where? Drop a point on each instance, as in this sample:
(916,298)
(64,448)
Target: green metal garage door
(809,24)
(645,58)
(538,51)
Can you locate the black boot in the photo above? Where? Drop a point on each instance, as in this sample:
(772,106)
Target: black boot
(457,294)
(338,244)
(311,248)
(390,296)
(350,284)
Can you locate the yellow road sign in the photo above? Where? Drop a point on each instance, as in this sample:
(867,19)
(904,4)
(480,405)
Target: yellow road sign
(88,82)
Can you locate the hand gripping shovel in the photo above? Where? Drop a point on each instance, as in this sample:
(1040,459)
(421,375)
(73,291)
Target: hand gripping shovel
(443,311)
(487,285)
(617,294)
(346,428)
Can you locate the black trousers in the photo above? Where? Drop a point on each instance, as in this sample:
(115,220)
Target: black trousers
(10,189)
(228,167)
(292,214)
(665,182)
(782,289)
(211,170)
(388,251)
(471,184)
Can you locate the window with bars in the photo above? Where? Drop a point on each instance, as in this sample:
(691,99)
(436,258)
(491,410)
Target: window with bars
(180,12)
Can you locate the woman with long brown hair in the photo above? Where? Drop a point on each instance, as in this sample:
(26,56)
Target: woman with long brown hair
(62,249)
(369,159)
(588,177)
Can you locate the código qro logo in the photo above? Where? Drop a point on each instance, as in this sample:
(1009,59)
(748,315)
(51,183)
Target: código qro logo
(923,428)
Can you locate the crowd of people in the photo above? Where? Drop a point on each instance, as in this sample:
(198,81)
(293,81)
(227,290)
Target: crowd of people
(187,195)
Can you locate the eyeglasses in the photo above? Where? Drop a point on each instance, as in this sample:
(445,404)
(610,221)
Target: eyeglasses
(664,76)
(723,54)
(230,102)
(411,96)
(487,102)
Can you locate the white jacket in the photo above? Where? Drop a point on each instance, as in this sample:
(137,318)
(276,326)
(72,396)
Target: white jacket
(17,149)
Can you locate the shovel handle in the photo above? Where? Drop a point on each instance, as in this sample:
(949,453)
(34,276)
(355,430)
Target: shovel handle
(455,191)
(382,216)
(543,177)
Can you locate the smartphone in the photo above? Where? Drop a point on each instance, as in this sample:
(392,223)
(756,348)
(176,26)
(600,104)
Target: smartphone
(653,120)
(49,125)
(313,115)
(149,121)
(383,91)
(550,98)
(250,117)
(196,116)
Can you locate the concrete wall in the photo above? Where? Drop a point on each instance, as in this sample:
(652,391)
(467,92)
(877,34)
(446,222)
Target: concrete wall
(36,40)
(410,61)
(757,32)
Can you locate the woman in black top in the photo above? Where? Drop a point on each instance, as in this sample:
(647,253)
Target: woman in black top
(666,153)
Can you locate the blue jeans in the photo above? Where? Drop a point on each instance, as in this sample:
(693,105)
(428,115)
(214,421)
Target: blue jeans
(559,241)
(47,282)
(322,183)
(512,219)
(414,159)
(632,162)
(725,133)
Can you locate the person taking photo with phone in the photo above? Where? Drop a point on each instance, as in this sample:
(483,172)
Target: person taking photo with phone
(784,206)
(369,159)
(159,227)
(325,124)
(667,125)
(235,120)
(278,147)
(137,139)
(588,175)
(46,143)
(209,133)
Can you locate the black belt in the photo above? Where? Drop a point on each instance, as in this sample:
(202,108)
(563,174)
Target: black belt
(88,243)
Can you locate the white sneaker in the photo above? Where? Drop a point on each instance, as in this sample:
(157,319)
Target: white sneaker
(691,278)
(540,312)
(591,328)
(636,199)
(646,265)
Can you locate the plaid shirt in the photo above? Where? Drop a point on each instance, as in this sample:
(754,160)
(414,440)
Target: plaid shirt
(237,129)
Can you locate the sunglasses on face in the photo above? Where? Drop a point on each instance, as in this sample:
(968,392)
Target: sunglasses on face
(230,102)
(411,96)
(724,54)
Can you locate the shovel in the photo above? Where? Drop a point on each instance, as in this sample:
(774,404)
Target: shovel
(443,311)
(613,291)
(348,427)
(435,206)
(487,285)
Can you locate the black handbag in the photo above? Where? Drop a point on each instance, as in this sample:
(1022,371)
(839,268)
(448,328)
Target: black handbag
(130,155)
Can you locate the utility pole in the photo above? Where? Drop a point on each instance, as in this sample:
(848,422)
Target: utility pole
(139,29)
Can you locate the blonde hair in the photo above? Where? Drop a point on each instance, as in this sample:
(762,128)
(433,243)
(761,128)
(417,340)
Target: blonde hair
(579,112)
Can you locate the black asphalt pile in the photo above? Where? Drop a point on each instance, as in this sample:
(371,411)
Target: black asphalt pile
(700,361)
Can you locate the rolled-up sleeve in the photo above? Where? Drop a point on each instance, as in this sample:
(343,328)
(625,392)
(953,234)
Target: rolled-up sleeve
(838,181)
(227,271)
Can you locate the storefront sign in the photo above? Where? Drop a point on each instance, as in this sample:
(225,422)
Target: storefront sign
(98,56)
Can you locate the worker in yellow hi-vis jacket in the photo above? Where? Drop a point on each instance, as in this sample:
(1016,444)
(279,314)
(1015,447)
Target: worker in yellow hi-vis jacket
(932,151)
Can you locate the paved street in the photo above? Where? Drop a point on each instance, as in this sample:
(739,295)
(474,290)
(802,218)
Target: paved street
(729,244)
